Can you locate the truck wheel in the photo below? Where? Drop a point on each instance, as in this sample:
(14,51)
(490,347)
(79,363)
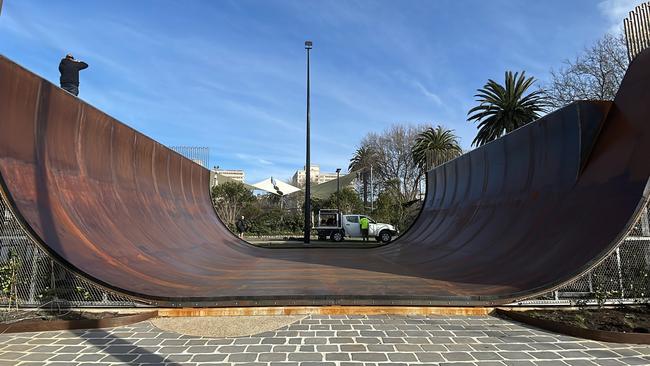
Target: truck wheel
(337,236)
(385,236)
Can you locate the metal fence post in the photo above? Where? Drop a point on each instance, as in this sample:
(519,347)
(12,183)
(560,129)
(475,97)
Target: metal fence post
(33,278)
(620,272)
(645,222)
(52,285)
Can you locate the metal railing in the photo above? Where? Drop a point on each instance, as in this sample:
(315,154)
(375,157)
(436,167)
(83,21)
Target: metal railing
(198,154)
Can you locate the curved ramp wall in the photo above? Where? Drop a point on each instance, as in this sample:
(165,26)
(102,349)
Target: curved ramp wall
(512,219)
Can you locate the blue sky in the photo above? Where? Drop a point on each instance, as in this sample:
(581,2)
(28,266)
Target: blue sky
(230,75)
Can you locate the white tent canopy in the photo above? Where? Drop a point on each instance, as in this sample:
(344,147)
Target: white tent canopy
(322,191)
(325,190)
(276,187)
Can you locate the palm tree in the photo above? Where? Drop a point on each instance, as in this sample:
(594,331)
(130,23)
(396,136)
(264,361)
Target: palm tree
(435,146)
(364,158)
(504,109)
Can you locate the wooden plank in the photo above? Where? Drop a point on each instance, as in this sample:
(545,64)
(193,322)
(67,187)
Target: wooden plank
(322,310)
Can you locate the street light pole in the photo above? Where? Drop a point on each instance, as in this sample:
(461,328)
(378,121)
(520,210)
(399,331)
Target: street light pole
(308,46)
(372,192)
(338,190)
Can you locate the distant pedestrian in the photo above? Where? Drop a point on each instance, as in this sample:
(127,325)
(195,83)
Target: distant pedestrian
(364,224)
(241,226)
(69,69)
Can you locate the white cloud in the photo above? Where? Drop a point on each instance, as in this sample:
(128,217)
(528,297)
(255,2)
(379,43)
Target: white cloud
(414,82)
(16,27)
(433,96)
(254,160)
(615,11)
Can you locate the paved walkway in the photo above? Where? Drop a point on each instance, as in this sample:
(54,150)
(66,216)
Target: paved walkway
(326,340)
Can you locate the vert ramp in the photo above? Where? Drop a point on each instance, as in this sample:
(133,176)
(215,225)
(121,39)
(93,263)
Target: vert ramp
(509,220)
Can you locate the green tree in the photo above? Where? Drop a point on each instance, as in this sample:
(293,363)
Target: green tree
(390,204)
(348,200)
(435,146)
(394,158)
(9,278)
(230,199)
(503,109)
(363,160)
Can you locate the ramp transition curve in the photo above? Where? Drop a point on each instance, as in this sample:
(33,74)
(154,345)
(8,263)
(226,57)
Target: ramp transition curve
(509,220)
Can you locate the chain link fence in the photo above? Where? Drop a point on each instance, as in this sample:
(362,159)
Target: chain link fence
(30,278)
(622,277)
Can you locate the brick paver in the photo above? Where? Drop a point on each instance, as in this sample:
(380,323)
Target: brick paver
(326,341)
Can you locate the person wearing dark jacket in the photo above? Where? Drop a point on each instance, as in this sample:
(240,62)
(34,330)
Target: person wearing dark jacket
(241,226)
(69,69)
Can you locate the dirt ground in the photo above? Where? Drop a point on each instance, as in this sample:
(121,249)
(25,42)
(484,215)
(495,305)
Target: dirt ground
(225,326)
(626,319)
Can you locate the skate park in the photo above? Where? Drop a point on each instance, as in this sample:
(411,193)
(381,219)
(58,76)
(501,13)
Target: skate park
(592,150)
(130,223)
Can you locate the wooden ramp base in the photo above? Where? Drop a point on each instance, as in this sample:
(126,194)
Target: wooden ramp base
(324,310)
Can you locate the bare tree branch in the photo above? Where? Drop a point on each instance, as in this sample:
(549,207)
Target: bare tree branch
(594,75)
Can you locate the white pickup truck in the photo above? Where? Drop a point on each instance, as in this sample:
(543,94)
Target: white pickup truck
(331,224)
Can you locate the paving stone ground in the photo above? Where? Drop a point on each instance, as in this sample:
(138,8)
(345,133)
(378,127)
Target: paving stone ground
(326,341)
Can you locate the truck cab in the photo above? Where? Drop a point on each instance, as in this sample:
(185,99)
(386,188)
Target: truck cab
(336,226)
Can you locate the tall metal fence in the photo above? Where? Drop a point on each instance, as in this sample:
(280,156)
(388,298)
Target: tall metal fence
(637,30)
(624,276)
(31,278)
(198,154)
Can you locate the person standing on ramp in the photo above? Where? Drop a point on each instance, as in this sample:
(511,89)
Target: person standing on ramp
(241,226)
(365,225)
(69,69)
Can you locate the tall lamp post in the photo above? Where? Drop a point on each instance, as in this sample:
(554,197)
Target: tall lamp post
(338,190)
(308,45)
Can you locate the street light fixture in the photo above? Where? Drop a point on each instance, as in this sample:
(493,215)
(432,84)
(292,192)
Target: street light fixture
(308,46)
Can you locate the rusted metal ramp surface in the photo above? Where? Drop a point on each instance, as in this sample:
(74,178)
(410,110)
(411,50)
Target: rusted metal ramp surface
(511,219)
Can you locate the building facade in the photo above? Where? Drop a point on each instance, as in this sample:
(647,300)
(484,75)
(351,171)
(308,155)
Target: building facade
(316,176)
(325,177)
(234,174)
